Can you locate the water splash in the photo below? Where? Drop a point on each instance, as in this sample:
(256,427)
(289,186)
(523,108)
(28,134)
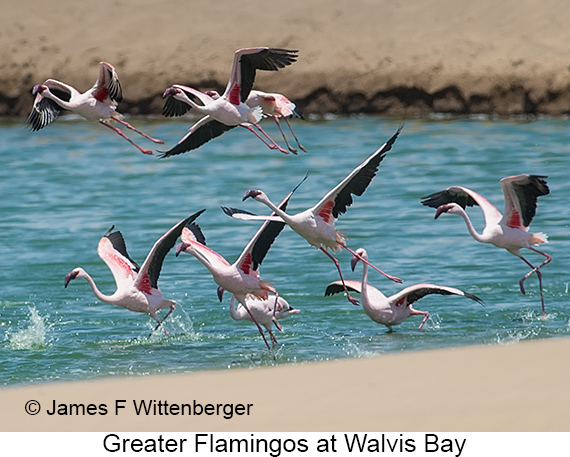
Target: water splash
(34,336)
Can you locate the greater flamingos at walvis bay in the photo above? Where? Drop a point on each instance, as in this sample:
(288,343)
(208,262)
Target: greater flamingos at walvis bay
(397,308)
(240,278)
(317,224)
(99,103)
(137,287)
(229,110)
(508,230)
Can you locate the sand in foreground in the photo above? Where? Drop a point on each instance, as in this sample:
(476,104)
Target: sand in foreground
(516,387)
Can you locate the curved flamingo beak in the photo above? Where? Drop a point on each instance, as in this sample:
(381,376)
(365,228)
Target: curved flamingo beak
(70,277)
(38,89)
(220,293)
(251,193)
(170,92)
(181,247)
(442,209)
(353,262)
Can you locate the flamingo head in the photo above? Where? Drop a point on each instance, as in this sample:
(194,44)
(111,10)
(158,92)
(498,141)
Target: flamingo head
(213,94)
(450,208)
(171,92)
(361,254)
(39,89)
(73,274)
(181,247)
(255,194)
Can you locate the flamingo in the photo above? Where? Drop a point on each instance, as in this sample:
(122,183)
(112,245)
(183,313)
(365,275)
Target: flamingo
(509,230)
(317,224)
(274,106)
(242,277)
(395,309)
(229,110)
(137,287)
(266,312)
(98,103)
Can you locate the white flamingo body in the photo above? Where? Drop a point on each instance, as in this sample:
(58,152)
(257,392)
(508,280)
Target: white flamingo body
(395,309)
(509,230)
(317,224)
(221,113)
(137,287)
(276,106)
(266,312)
(97,104)
(240,278)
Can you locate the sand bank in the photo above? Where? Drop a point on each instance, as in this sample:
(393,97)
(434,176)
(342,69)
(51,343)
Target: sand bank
(397,58)
(516,387)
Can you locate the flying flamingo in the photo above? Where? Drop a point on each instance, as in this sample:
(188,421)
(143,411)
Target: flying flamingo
(274,106)
(509,230)
(316,224)
(242,277)
(229,110)
(137,287)
(98,103)
(397,308)
(266,312)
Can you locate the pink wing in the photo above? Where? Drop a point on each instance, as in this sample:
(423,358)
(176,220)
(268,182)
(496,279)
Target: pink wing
(107,88)
(521,193)
(113,251)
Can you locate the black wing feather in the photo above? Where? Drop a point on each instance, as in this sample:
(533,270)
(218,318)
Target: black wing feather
(527,195)
(200,136)
(165,246)
(118,242)
(358,184)
(449,195)
(270,59)
(174,107)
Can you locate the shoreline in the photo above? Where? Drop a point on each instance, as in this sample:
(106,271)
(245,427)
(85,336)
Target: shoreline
(380,57)
(514,387)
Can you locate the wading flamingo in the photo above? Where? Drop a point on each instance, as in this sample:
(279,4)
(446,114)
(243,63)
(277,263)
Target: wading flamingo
(509,230)
(240,278)
(137,287)
(317,224)
(99,103)
(228,110)
(397,308)
(266,312)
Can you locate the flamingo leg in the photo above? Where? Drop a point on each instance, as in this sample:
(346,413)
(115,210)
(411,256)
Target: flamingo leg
(258,326)
(392,278)
(273,339)
(415,312)
(144,151)
(129,126)
(272,145)
(273,291)
(276,119)
(295,136)
(161,321)
(352,300)
(538,274)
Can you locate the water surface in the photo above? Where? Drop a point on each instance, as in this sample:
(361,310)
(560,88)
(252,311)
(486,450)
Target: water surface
(63,187)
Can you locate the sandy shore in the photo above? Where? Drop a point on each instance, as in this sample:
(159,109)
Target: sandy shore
(516,387)
(396,58)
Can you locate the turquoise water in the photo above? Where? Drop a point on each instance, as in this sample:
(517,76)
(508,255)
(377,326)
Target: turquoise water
(63,187)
